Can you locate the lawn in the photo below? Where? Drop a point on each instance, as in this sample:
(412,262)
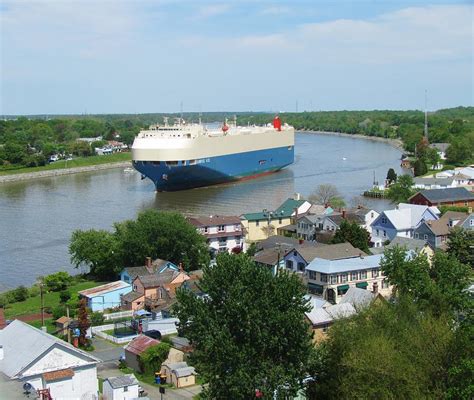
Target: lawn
(32,305)
(76,162)
(49,323)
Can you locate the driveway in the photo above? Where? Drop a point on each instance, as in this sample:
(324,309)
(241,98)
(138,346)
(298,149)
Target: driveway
(12,389)
(106,351)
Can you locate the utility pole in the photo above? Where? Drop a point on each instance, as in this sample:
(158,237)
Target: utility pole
(426,115)
(42,305)
(68,325)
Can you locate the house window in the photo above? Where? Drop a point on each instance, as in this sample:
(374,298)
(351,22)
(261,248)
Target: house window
(384,220)
(385,284)
(378,232)
(125,388)
(135,287)
(237,227)
(257,223)
(417,236)
(471,222)
(353,276)
(425,237)
(363,274)
(312,275)
(325,328)
(301,267)
(289,264)
(279,221)
(371,215)
(375,273)
(343,278)
(323,277)
(221,228)
(206,229)
(384,233)
(333,279)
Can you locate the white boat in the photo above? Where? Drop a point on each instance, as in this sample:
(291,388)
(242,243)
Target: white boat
(129,170)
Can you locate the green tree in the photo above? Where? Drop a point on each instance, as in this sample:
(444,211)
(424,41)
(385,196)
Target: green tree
(352,233)
(15,153)
(97,318)
(402,190)
(57,281)
(97,249)
(152,358)
(166,235)
(461,245)
(420,167)
(249,332)
(64,296)
(20,293)
(391,176)
(459,152)
(83,321)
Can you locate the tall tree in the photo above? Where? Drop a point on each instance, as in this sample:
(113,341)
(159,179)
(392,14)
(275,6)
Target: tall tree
(83,321)
(354,234)
(401,191)
(248,332)
(461,245)
(327,194)
(391,176)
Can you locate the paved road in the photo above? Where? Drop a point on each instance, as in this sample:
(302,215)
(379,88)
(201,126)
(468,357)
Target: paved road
(106,351)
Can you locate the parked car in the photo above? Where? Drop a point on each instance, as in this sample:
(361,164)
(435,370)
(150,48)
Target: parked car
(154,334)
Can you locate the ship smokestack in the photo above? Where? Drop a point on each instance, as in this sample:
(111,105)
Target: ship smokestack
(277,123)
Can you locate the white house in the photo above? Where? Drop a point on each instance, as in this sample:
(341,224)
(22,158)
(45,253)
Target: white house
(401,221)
(331,279)
(223,233)
(123,387)
(47,363)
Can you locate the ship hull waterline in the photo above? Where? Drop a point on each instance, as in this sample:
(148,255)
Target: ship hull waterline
(215,170)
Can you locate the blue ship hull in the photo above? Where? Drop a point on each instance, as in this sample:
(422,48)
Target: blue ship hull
(214,170)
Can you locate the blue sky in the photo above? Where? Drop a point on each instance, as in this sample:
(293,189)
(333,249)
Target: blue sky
(114,56)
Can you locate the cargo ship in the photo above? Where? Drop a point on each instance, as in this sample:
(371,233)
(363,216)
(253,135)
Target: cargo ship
(183,156)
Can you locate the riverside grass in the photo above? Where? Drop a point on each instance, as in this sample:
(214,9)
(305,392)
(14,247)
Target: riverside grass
(74,163)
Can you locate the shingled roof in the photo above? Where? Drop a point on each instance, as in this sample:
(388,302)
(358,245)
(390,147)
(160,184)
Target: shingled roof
(446,195)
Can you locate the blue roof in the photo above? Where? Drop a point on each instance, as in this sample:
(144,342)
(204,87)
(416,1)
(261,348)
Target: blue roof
(344,265)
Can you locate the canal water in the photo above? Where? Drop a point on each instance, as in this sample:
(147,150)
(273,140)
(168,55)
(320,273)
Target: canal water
(38,217)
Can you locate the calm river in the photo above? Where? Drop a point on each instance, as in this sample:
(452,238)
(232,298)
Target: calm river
(38,217)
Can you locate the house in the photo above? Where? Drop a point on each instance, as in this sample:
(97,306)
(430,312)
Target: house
(123,387)
(307,225)
(418,246)
(331,279)
(441,149)
(435,233)
(332,222)
(297,258)
(223,233)
(261,225)
(458,197)
(467,224)
(323,314)
(401,221)
(434,183)
(179,374)
(49,364)
(461,180)
(106,296)
(150,268)
(62,325)
(272,258)
(135,348)
(278,240)
(132,301)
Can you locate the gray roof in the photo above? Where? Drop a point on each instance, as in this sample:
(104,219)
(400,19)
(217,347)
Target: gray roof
(329,252)
(439,146)
(434,181)
(349,217)
(445,195)
(274,241)
(319,316)
(121,381)
(409,244)
(131,296)
(186,371)
(176,365)
(23,344)
(157,280)
(272,255)
(359,298)
(344,265)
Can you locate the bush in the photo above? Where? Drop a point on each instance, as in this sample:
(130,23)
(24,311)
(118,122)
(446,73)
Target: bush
(152,358)
(64,296)
(420,168)
(59,311)
(58,281)
(97,318)
(34,291)
(20,293)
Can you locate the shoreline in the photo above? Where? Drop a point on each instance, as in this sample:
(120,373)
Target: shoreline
(66,171)
(396,143)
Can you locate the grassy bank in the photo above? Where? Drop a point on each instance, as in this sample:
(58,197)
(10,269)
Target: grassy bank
(32,305)
(76,162)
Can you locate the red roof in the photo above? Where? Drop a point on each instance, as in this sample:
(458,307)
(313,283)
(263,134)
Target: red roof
(140,344)
(59,374)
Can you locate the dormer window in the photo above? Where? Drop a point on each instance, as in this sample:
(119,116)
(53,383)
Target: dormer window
(221,228)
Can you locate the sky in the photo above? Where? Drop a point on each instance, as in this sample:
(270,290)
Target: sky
(142,56)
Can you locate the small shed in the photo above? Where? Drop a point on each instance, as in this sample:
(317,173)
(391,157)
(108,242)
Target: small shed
(135,348)
(179,374)
(62,325)
(120,388)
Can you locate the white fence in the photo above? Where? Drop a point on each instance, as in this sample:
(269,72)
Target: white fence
(117,315)
(99,331)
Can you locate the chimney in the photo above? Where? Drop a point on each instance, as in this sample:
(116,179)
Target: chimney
(180,265)
(344,214)
(148,262)
(375,289)
(297,196)
(361,256)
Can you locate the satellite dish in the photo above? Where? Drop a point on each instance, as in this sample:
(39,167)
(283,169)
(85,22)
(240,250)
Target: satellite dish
(27,387)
